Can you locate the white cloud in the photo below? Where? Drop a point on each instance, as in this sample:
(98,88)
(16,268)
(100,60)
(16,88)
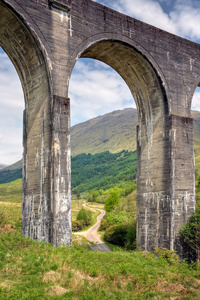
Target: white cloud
(147,11)
(186,19)
(12,105)
(196,100)
(95,90)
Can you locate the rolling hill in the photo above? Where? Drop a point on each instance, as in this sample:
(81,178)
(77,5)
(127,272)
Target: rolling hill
(113,132)
(2,166)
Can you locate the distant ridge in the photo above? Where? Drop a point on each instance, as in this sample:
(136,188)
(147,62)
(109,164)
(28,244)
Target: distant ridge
(3,166)
(113,132)
(14,166)
(11,173)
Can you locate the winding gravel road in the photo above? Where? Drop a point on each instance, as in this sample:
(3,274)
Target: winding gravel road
(92,234)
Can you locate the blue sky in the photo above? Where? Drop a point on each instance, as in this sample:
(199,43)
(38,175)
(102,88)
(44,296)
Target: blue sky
(95,88)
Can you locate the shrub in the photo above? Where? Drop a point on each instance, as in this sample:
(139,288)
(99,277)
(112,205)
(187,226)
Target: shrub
(104,225)
(116,234)
(92,196)
(117,218)
(170,256)
(190,235)
(77,225)
(85,216)
(131,235)
(111,201)
(123,235)
(128,190)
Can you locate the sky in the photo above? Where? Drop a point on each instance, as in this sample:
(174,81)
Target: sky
(95,88)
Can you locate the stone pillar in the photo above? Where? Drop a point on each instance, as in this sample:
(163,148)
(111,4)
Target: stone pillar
(61,172)
(36,215)
(182,175)
(153,185)
(166,183)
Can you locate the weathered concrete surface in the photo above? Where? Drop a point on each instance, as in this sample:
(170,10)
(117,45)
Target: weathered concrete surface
(44,39)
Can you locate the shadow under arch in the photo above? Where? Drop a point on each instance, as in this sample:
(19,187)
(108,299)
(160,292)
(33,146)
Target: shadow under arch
(153,171)
(25,53)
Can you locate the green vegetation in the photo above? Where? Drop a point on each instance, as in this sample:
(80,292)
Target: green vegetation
(190,235)
(83,219)
(197,177)
(85,215)
(11,192)
(119,224)
(115,131)
(102,170)
(123,235)
(99,171)
(32,270)
(11,173)
(11,203)
(111,201)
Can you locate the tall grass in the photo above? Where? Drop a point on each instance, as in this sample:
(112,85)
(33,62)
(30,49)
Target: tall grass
(11,192)
(33,270)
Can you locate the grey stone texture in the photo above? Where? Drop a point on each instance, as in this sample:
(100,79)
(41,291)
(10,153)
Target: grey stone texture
(44,39)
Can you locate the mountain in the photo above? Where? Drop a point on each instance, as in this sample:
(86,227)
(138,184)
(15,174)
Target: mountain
(2,166)
(103,170)
(11,173)
(113,132)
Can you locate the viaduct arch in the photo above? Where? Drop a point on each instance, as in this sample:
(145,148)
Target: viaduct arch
(44,39)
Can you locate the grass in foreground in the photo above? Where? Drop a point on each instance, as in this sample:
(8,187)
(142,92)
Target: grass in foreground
(32,270)
(11,192)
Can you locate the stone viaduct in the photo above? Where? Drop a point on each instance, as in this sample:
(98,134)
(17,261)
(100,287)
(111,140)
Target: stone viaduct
(44,39)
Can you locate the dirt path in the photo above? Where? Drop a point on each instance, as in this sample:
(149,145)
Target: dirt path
(92,234)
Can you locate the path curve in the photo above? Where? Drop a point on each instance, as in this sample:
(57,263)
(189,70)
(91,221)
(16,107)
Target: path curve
(92,234)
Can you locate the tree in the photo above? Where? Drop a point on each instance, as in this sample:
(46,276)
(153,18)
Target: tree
(85,216)
(190,233)
(112,201)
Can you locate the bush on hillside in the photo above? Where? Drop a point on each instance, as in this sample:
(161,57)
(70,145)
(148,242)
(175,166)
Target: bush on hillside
(117,218)
(77,225)
(131,235)
(92,196)
(190,235)
(129,189)
(112,201)
(123,235)
(116,235)
(104,225)
(170,256)
(85,216)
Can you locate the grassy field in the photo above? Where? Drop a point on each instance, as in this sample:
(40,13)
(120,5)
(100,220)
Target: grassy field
(32,270)
(11,192)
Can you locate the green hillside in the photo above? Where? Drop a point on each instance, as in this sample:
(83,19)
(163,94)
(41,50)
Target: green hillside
(33,270)
(2,166)
(113,132)
(11,173)
(102,170)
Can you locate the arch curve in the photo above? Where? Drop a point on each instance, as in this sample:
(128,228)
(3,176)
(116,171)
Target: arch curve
(191,93)
(110,36)
(29,60)
(149,93)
